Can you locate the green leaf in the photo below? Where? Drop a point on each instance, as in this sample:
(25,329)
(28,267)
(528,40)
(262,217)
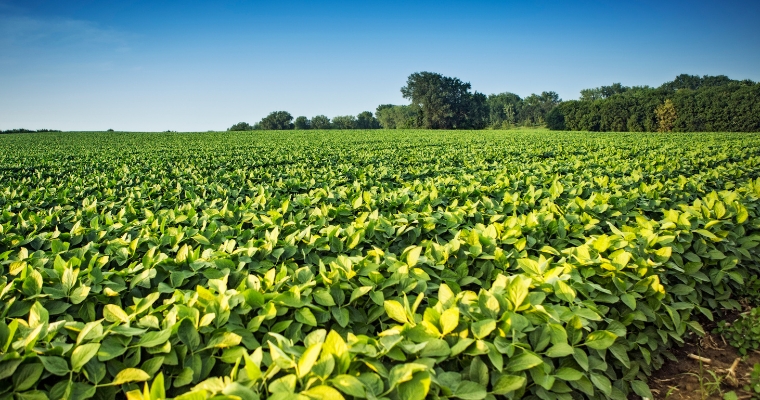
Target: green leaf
(188,334)
(523,361)
(568,374)
(349,385)
(305,316)
(224,339)
(82,354)
(560,350)
(359,292)
(321,392)
(157,388)
(642,389)
(564,291)
(155,338)
(395,310)
(469,390)
(32,285)
(323,298)
(404,372)
(128,375)
(482,328)
(508,383)
(55,365)
(602,383)
(8,367)
(628,300)
(26,376)
(413,256)
(114,313)
(308,358)
(449,320)
(416,388)
(600,340)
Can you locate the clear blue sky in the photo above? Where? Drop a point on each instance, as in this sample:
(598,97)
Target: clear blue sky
(202,65)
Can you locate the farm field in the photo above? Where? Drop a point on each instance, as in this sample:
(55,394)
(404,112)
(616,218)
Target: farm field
(366,264)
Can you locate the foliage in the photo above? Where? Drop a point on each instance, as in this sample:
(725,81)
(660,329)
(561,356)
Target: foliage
(320,122)
(666,116)
(240,126)
(302,123)
(445,102)
(754,381)
(352,264)
(703,104)
(277,120)
(503,109)
(344,122)
(397,117)
(365,120)
(744,333)
(555,120)
(22,130)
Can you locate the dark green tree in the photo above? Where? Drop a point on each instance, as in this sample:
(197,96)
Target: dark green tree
(344,122)
(555,120)
(397,117)
(365,120)
(240,126)
(321,122)
(443,102)
(502,109)
(277,120)
(302,123)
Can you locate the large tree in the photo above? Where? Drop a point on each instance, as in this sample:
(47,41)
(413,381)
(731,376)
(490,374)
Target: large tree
(302,123)
(241,126)
(320,122)
(503,109)
(344,122)
(443,102)
(396,117)
(277,120)
(366,120)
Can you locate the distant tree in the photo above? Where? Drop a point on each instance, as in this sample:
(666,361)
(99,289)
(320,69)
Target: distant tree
(603,92)
(476,115)
(509,115)
(666,116)
(443,102)
(536,107)
(110,130)
(366,120)
(320,122)
(555,120)
(277,120)
(397,117)
(302,123)
(344,122)
(240,126)
(498,104)
(591,94)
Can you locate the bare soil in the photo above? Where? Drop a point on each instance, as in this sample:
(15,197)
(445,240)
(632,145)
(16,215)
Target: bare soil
(689,378)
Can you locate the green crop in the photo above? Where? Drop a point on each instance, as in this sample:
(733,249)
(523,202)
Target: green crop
(365,264)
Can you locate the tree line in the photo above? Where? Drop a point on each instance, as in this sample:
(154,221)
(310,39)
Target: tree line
(22,130)
(437,102)
(689,103)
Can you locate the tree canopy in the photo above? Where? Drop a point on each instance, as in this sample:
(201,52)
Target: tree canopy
(688,103)
(444,102)
(277,120)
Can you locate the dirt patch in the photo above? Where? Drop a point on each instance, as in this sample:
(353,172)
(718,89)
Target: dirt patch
(692,377)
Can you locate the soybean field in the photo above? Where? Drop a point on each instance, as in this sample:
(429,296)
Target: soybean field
(366,264)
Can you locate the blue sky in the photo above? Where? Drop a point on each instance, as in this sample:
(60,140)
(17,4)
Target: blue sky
(201,65)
